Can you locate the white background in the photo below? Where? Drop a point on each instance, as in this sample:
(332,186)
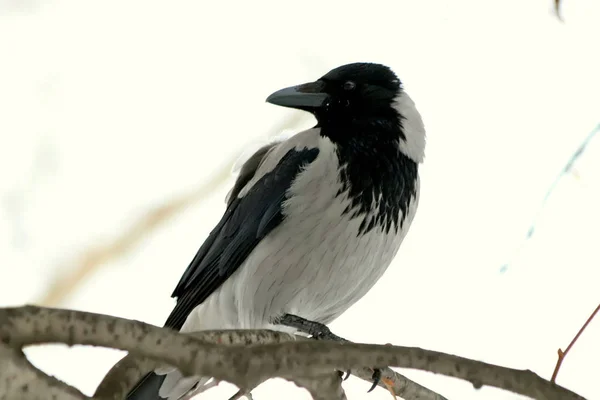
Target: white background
(108,109)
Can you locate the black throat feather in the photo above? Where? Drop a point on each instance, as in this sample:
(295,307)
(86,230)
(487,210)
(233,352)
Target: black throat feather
(380,180)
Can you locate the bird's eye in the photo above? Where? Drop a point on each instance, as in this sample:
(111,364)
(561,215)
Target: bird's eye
(349,85)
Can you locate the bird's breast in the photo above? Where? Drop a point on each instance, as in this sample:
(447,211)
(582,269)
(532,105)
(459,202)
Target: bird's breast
(320,260)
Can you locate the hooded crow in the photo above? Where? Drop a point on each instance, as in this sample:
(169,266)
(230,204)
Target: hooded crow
(312,222)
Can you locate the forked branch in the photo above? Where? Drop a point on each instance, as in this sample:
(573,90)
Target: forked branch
(306,362)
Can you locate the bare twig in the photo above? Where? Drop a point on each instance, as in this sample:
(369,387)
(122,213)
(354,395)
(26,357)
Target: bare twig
(249,365)
(563,354)
(92,259)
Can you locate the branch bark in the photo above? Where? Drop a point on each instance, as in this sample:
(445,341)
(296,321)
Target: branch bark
(19,379)
(306,362)
(391,380)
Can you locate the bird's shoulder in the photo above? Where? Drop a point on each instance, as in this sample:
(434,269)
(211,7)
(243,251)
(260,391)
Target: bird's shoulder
(269,157)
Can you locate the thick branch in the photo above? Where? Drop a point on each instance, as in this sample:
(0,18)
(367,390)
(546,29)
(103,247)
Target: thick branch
(130,369)
(249,365)
(123,376)
(21,380)
(326,387)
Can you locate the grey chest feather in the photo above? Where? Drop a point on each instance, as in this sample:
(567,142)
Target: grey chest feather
(322,258)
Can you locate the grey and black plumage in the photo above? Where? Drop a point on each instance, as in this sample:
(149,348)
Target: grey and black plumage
(312,222)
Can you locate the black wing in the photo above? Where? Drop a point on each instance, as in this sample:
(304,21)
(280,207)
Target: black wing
(245,223)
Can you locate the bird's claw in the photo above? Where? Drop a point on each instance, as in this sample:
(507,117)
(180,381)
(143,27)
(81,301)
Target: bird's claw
(342,374)
(376,378)
(347,375)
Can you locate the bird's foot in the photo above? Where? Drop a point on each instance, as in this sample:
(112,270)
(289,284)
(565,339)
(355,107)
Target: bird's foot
(320,331)
(315,329)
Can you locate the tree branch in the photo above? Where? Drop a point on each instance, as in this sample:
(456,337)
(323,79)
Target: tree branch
(399,384)
(123,376)
(247,365)
(130,369)
(19,379)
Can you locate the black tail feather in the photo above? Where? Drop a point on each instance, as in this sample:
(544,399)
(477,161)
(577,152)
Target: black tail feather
(147,388)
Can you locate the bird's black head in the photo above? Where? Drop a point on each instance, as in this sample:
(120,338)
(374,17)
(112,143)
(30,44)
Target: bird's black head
(345,94)
(360,105)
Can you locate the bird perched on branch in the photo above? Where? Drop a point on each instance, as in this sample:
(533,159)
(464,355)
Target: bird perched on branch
(312,222)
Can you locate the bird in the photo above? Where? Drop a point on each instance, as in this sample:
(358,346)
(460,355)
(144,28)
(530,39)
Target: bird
(312,222)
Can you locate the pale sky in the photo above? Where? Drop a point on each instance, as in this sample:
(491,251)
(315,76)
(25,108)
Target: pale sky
(110,108)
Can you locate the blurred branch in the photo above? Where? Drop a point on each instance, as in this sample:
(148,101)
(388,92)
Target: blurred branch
(557,9)
(92,259)
(563,354)
(564,171)
(308,363)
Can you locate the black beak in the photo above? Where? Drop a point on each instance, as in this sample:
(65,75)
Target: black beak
(305,97)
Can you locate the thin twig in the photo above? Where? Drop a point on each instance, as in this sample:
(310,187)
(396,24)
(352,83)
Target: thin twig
(563,172)
(563,354)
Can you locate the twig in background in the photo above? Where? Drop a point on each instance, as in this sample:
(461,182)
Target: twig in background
(557,10)
(94,258)
(91,260)
(565,170)
(563,354)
